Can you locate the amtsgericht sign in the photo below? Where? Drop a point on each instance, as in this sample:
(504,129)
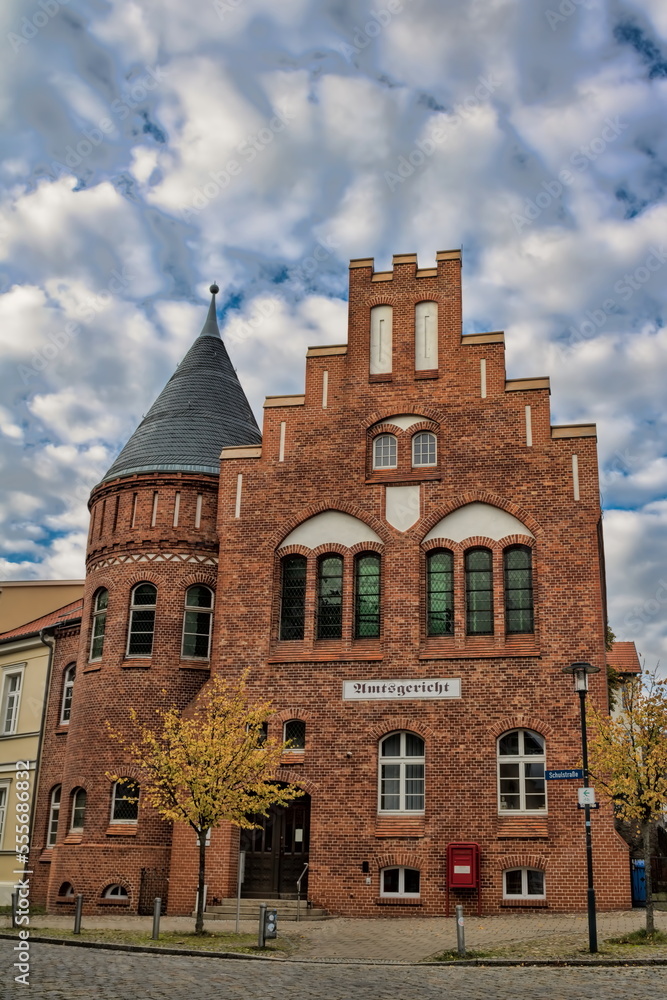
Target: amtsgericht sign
(402,689)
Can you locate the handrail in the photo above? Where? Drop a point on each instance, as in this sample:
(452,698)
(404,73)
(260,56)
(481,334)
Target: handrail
(298,891)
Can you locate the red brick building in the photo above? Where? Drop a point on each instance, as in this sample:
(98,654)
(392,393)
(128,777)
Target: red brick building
(404,560)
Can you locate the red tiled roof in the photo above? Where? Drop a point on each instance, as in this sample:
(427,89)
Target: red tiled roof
(624,658)
(68,611)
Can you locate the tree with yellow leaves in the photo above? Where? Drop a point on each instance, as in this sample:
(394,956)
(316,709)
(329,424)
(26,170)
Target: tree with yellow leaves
(628,760)
(210,766)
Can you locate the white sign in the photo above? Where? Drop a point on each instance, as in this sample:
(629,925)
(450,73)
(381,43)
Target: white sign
(586,796)
(402,690)
(462,869)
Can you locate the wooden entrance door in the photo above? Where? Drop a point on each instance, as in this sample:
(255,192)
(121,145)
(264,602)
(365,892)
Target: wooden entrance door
(277,851)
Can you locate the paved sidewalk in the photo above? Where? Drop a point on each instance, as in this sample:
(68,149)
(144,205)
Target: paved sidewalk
(404,940)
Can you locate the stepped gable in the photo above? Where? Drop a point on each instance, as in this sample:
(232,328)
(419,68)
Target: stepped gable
(201,410)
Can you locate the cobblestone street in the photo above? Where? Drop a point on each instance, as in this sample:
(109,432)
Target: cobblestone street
(65,973)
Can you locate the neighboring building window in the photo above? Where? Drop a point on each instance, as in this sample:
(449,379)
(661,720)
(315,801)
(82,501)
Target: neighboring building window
(54,816)
(125,801)
(381,339)
(440,592)
(426,336)
(402,773)
(68,691)
(66,890)
(295,732)
(78,809)
(518,590)
(399,882)
(100,606)
(521,759)
(293,602)
(142,620)
(3,810)
(523,883)
(11,699)
(424,449)
(115,892)
(384,452)
(330,597)
(479,592)
(197,622)
(367,596)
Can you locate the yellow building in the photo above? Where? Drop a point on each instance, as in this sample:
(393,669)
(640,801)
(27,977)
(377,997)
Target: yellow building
(25,666)
(25,600)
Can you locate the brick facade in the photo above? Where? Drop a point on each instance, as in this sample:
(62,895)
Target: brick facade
(497,451)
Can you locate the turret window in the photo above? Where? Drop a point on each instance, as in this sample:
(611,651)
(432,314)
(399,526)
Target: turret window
(99,624)
(54,816)
(197,622)
(68,691)
(125,804)
(79,799)
(142,620)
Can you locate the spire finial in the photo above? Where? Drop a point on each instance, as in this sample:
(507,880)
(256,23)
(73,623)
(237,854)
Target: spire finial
(210,328)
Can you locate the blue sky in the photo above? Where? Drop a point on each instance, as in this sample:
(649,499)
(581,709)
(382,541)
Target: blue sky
(152,147)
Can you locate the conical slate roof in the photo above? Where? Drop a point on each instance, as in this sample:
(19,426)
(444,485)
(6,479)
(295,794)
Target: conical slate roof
(201,409)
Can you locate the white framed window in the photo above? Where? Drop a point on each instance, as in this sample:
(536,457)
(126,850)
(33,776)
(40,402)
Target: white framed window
(4,793)
(99,624)
(384,452)
(54,816)
(125,801)
(401,773)
(142,620)
(79,799)
(521,784)
(399,882)
(426,336)
(11,699)
(68,691)
(197,623)
(424,449)
(381,339)
(523,883)
(116,891)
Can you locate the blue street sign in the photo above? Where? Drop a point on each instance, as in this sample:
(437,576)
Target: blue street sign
(569,772)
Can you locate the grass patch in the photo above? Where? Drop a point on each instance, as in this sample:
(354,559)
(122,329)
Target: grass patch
(34,909)
(640,937)
(210,941)
(453,955)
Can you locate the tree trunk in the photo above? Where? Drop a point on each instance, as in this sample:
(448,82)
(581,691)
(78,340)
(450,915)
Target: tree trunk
(199,921)
(648,875)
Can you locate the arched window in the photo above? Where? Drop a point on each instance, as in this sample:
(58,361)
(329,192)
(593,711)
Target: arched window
(367,596)
(521,759)
(99,624)
(399,882)
(402,773)
(68,690)
(142,620)
(293,597)
(440,592)
(125,801)
(197,622)
(66,891)
(426,336)
(424,449)
(295,732)
(523,883)
(117,891)
(381,339)
(384,452)
(518,590)
(54,816)
(330,597)
(78,809)
(479,592)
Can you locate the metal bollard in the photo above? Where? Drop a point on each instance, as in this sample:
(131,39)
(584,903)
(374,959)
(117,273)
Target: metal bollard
(262,921)
(460,932)
(77,913)
(15,903)
(157,910)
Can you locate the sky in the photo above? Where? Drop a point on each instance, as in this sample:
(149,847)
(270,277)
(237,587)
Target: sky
(152,147)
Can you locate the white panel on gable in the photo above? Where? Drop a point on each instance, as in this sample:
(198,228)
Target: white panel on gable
(381,339)
(478,519)
(330,526)
(403,420)
(426,336)
(402,506)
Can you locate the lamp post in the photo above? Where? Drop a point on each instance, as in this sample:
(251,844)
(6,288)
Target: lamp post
(580,672)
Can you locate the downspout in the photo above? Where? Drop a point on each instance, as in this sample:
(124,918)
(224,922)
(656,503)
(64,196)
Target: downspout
(51,643)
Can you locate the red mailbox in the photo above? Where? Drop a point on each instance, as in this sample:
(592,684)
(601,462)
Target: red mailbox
(463,868)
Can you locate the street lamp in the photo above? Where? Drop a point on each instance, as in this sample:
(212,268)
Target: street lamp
(580,672)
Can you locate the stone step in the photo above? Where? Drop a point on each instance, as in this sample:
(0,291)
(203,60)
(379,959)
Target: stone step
(249,910)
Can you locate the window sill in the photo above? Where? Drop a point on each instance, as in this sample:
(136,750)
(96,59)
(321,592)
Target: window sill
(398,901)
(136,664)
(471,647)
(122,830)
(524,904)
(65,901)
(427,373)
(293,757)
(381,377)
(400,826)
(73,838)
(92,668)
(47,855)
(395,477)
(325,651)
(195,664)
(113,902)
(62,729)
